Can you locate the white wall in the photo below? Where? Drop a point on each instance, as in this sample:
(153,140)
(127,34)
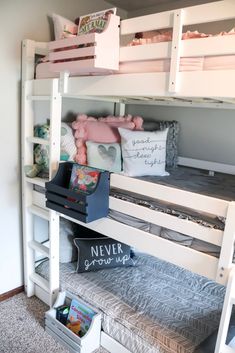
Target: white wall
(21,19)
(206,134)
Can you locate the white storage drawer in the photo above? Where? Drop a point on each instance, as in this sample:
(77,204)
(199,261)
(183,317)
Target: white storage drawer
(75,344)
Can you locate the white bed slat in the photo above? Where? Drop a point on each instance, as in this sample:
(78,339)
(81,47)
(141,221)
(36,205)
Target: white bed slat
(213,236)
(38,199)
(197,47)
(217,11)
(155,84)
(187,258)
(227,249)
(170,194)
(207,165)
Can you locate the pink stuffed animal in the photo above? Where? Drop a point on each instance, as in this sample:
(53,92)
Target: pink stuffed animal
(103,130)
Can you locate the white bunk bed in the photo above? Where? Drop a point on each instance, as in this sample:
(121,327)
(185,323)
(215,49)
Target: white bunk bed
(174,87)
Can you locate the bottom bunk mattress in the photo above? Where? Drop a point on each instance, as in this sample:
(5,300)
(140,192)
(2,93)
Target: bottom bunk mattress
(151,307)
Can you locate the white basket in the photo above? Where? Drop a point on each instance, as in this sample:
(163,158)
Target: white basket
(75,344)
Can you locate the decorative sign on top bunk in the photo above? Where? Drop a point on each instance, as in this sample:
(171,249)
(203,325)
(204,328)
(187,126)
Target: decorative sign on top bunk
(91,53)
(78,191)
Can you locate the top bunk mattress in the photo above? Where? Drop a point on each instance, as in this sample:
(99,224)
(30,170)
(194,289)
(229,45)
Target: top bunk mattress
(152,307)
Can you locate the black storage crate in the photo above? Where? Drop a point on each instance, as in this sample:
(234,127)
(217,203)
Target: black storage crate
(85,207)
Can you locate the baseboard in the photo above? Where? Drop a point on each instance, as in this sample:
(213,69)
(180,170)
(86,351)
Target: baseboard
(11,293)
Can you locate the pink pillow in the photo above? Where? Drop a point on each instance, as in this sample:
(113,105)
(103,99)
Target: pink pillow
(102,130)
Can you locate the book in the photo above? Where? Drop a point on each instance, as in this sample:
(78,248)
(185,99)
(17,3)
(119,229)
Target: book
(83,178)
(95,22)
(79,312)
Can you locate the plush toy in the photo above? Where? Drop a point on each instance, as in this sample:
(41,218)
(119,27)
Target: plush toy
(102,130)
(41,152)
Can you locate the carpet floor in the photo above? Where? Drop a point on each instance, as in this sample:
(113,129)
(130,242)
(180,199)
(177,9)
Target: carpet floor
(22,327)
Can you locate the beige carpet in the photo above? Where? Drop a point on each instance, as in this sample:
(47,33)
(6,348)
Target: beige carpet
(22,327)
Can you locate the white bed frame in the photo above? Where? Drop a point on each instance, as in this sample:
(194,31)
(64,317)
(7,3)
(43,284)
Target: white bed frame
(150,88)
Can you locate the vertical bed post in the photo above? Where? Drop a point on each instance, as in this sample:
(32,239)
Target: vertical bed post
(28,55)
(227,247)
(175,51)
(119,109)
(229,301)
(54,157)
(226,275)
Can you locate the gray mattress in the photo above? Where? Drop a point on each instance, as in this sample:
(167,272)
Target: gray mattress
(220,185)
(153,307)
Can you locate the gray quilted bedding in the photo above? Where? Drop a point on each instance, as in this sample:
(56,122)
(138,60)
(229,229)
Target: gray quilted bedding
(153,307)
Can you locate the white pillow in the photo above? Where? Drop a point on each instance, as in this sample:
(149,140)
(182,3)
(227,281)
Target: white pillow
(143,152)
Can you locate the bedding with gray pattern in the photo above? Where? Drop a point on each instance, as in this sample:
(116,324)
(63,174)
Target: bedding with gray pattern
(153,307)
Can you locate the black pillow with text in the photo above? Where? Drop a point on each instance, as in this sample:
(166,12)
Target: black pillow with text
(100,253)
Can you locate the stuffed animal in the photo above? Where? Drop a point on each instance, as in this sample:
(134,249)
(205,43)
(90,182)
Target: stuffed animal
(41,152)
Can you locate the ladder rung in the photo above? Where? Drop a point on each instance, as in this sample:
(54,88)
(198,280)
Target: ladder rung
(40,281)
(38,140)
(42,249)
(39,98)
(37,181)
(40,212)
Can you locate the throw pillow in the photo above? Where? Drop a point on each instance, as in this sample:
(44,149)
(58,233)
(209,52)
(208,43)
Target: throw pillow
(143,152)
(104,156)
(171,141)
(100,253)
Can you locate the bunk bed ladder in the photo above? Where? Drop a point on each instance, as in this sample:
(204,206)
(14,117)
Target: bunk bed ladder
(47,290)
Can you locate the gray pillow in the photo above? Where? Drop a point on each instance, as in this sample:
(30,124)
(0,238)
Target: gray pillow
(101,253)
(172,138)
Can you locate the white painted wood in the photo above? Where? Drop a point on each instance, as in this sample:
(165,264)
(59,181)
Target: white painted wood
(191,102)
(217,11)
(54,256)
(43,88)
(39,98)
(221,347)
(100,53)
(197,163)
(36,246)
(176,51)
(86,344)
(42,294)
(210,235)
(192,200)
(190,259)
(227,249)
(38,140)
(55,128)
(38,199)
(39,212)
(40,281)
(197,47)
(41,48)
(36,181)
(119,109)
(155,84)
(28,52)
(111,345)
